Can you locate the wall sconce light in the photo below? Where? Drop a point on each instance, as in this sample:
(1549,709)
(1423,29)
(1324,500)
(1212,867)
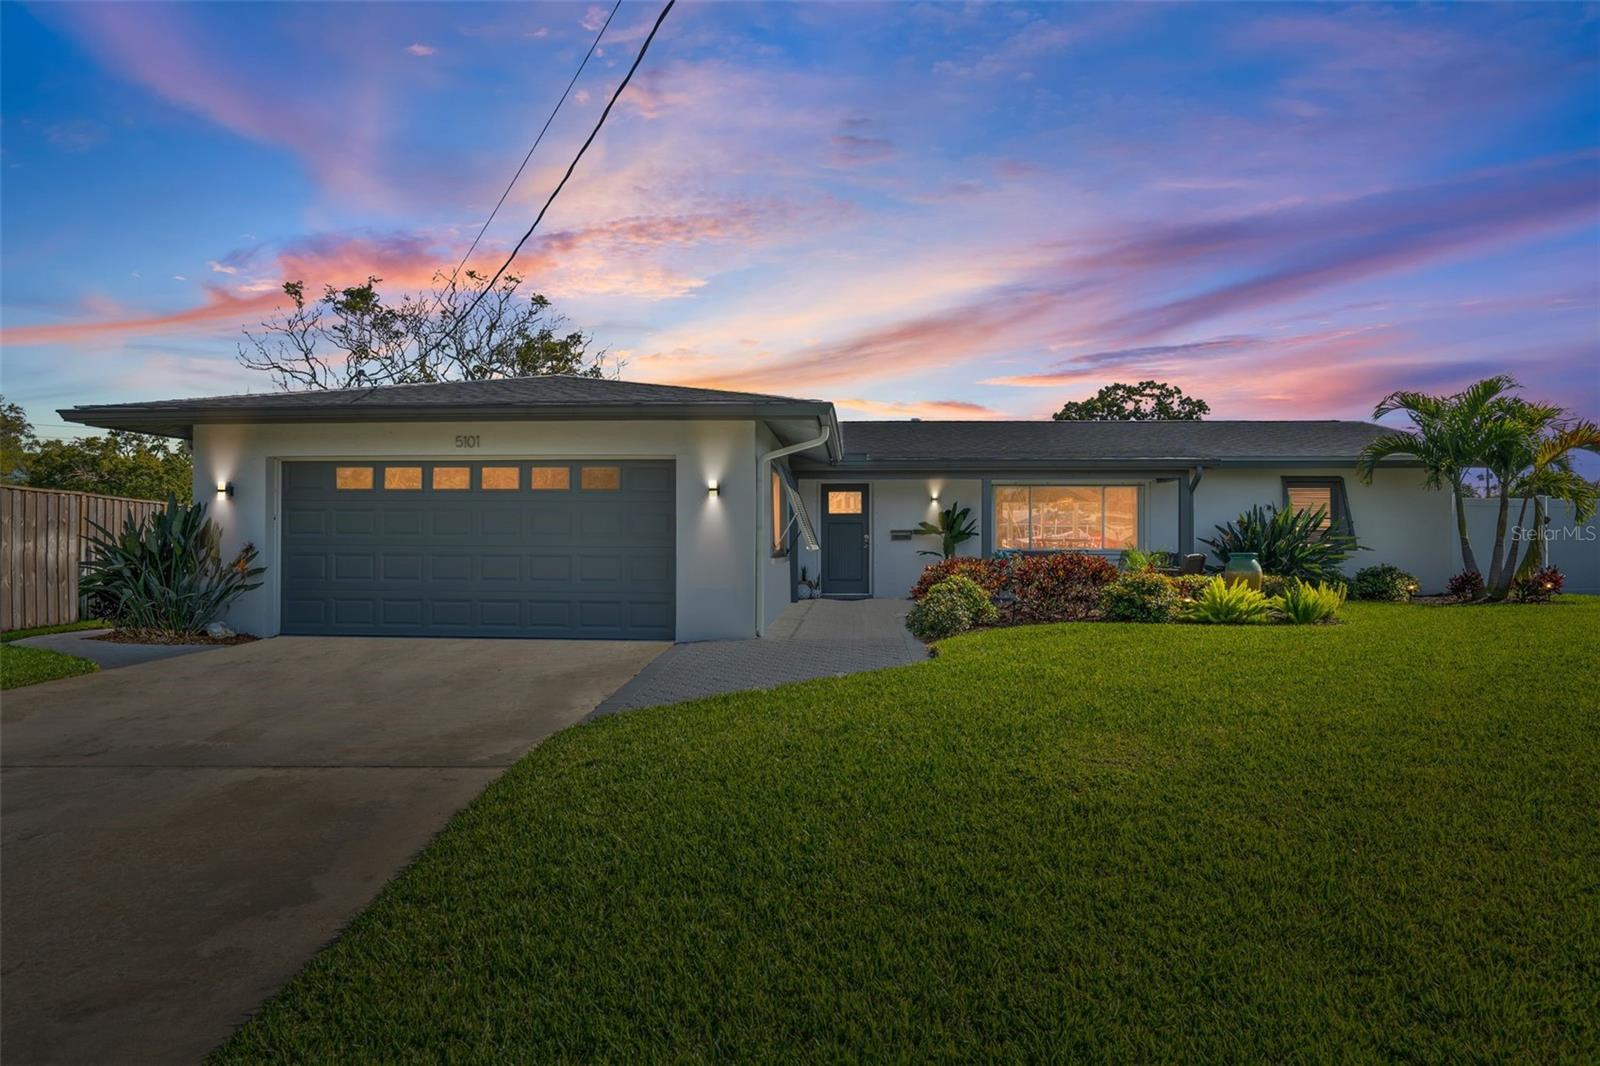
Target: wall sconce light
(225,488)
(934,496)
(713,489)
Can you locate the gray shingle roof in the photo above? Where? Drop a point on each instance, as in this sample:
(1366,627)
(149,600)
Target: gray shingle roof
(913,442)
(550,390)
(549,396)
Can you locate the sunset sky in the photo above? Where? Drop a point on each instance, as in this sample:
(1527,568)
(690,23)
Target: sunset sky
(936,210)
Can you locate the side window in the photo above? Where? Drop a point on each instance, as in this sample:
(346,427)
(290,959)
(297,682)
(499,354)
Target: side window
(1308,494)
(779,526)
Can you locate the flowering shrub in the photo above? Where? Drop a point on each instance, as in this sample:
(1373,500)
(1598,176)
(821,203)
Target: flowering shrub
(1537,586)
(1140,596)
(1190,586)
(1059,587)
(1465,586)
(990,574)
(1384,582)
(952,606)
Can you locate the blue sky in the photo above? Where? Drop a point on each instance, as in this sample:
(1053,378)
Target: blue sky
(934,210)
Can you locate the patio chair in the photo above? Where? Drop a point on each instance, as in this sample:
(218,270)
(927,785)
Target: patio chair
(1194,563)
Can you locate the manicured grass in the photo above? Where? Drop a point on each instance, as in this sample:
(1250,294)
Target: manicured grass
(1372,841)
(21,666)
(39,631)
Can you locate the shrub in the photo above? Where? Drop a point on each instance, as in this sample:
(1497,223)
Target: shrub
(947,609)
(1190,586)
(1465,586)
(1302,604)
(990,574)
(1288,543)
(1385,583)
(1134,561)
(1139,597)
(1058,587)
(1220,603)
(1273,585)
(166,573)
(1537,586)
(979,604)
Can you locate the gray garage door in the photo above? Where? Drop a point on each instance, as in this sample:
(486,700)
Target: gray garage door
(492,549)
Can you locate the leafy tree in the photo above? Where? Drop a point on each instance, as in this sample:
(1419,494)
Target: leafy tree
(17,443)
(1526,446)
(1451,437)
(1148,401)
(352,337)
(1533,461)
(117,464)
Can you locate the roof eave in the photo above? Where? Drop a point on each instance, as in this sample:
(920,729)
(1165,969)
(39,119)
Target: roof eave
(179,421)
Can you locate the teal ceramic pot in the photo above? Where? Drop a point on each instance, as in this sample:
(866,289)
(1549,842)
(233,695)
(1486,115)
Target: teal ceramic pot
(1243,566)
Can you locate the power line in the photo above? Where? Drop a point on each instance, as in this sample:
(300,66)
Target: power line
(645,47)
(454,274)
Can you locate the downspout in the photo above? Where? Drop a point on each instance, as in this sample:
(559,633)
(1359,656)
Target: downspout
(763,479)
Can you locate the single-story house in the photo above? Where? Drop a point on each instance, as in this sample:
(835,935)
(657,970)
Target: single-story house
(583,507)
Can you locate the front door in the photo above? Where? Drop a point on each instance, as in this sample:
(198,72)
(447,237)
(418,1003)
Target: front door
(846,538)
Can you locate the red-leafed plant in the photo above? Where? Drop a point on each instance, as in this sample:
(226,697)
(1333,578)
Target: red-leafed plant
(1058,587)
(1465,586)
(990,574)
(1537,586)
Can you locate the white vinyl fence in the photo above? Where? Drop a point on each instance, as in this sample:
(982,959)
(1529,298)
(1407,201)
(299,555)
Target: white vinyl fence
(1573,548)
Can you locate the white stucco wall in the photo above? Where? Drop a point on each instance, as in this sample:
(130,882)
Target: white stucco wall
(1400,520)
(775,586)
(717,536)
(900,503)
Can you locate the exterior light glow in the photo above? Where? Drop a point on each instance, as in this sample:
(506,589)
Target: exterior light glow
(225,488)
(713,489)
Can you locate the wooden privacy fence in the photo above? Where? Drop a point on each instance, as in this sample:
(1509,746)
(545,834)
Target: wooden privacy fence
(44,539)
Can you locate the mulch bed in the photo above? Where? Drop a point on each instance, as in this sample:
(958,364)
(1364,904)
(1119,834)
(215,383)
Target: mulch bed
(148,636)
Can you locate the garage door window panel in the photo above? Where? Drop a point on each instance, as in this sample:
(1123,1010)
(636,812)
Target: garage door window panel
(402,478)
(601,479)
(352,478)
(451,478)
(550,479)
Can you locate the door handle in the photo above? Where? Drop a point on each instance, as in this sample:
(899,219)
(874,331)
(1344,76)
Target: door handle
(866,540)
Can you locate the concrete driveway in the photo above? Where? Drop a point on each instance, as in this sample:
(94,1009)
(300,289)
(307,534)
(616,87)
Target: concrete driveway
(177,838)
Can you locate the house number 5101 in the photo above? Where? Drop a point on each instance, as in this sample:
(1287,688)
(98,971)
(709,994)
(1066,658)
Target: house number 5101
(467,440)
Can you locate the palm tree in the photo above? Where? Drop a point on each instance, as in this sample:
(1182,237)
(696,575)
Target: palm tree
(1547,473)
(1451,437)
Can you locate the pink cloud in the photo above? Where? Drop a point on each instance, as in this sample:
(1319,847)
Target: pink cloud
(960,409)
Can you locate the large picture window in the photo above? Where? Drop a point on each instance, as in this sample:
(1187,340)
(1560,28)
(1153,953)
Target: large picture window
(1066,517)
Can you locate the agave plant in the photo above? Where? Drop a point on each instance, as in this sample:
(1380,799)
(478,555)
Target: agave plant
(1289,543)
(166,573)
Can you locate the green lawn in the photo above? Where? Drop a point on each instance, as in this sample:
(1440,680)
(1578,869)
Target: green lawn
(38,631)
(1379,840)
(29,666)
(21,666)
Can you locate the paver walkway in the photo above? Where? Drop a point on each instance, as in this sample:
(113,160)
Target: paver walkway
(811,639)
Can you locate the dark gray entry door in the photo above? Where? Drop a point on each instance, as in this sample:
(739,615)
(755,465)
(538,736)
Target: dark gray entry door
(845,540)
(491,549)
